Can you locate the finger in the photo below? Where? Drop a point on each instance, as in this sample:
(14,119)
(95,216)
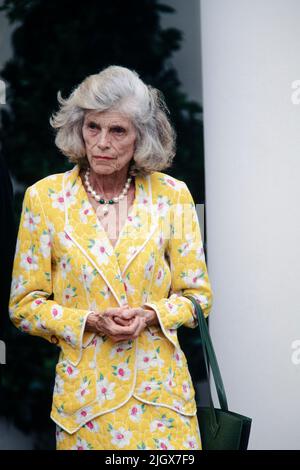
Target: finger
(115,329)
(134,324)
(120,330)
(140,312)
(139,326)
(111,311)
(128,313)
(127,329)
(110,327)
(121,321)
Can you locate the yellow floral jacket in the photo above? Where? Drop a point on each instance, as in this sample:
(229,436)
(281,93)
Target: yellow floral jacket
(65,266)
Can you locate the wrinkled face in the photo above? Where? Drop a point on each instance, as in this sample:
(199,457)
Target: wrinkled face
(109,139)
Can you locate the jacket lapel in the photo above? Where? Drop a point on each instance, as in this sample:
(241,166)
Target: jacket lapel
(88,234)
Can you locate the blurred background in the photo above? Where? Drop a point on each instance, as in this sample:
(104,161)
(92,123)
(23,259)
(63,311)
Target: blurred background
(50,46)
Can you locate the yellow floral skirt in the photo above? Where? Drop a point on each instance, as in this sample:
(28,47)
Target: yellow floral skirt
(134,426)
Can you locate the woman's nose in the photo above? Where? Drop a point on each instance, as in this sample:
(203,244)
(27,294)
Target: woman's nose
(103,139)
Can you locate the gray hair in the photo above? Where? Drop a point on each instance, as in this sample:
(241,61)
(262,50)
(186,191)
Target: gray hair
(120,89)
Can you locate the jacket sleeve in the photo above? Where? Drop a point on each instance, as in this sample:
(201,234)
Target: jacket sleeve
(31,308)
(188,269)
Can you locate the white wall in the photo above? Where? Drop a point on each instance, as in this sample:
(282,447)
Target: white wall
(251,56)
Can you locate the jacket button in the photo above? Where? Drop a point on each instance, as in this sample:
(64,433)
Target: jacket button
(54,339)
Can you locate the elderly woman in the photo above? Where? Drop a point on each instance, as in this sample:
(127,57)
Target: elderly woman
(106,253)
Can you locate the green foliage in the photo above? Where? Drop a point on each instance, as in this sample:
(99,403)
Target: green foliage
(56,44)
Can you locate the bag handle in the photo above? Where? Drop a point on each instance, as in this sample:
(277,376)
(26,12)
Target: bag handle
(210,359)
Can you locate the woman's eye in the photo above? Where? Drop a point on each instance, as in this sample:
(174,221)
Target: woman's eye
(92,125)
(118,130)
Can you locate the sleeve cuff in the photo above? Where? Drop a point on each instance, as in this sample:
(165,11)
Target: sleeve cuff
(74,353)
(168,332)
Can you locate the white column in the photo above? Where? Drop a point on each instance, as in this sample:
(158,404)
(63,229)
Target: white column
(251,57)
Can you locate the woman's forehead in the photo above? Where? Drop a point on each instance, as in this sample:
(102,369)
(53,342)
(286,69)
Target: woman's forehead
(108,116)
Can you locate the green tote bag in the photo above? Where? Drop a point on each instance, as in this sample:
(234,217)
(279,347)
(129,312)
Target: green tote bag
(220,429)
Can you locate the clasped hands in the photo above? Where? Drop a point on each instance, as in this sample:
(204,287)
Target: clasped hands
(122,323)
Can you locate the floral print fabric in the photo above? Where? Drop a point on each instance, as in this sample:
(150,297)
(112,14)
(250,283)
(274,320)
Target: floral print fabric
(134,426)
(65,266)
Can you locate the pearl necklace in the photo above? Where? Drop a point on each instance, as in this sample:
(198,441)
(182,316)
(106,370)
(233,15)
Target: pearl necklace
(100,199)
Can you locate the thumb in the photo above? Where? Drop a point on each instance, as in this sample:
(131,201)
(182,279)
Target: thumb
(128,314)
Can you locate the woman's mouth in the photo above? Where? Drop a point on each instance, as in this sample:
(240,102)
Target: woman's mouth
(102,157)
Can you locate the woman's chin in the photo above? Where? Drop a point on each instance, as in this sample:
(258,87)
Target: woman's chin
(103,169)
